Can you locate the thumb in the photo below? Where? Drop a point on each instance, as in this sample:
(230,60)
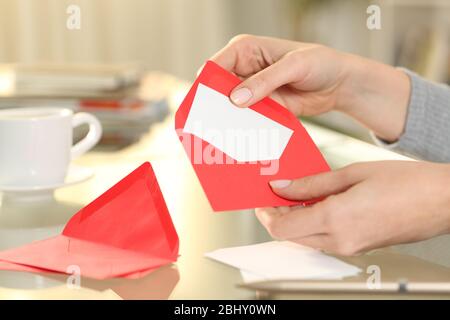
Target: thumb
(323,184)
(264,82)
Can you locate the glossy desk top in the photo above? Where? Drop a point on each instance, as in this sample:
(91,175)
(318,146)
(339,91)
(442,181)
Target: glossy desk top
(200,230)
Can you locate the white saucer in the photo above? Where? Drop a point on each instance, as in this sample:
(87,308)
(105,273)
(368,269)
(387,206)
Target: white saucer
(76,174)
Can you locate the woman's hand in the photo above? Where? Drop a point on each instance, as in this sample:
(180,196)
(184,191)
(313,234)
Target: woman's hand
(368,205)
(296,74)
(310,79)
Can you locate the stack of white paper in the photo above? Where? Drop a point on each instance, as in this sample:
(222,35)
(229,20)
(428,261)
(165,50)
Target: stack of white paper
(283,260)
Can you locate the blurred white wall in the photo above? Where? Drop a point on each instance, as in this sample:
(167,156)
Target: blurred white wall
(177,36)
(170,35)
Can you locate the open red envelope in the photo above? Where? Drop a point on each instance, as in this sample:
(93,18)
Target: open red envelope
(235,152)
(126,232)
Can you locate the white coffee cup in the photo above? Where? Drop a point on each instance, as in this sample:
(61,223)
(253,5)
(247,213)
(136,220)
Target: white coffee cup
(36,144)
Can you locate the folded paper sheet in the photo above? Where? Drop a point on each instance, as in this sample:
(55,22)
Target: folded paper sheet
(282,260)
(126,232)
(235,152)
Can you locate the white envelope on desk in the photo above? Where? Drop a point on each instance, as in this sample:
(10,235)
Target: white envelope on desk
(283,260)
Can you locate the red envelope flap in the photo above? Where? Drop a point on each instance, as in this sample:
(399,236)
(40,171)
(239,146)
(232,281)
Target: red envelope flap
(236,186)
(131,215)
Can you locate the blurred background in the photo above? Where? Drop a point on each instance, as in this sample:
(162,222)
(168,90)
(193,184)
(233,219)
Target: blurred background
(116,58)
(177,36)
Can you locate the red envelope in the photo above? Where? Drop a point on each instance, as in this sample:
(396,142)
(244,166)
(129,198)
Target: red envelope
(233,178)
(126,232)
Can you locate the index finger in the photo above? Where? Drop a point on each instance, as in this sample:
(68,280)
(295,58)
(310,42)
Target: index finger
(246,55)
(226,57)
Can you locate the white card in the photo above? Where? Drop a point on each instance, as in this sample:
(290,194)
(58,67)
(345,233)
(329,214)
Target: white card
(242,133)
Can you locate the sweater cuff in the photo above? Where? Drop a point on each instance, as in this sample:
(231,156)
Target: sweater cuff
(413,138)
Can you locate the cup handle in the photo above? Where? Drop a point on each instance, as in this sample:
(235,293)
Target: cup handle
(93,136)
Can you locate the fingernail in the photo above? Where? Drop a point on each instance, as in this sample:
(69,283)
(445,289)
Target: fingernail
(241,96)
(280,184)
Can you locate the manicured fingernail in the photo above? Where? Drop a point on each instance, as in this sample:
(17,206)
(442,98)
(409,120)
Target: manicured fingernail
(241,96)
(280,184)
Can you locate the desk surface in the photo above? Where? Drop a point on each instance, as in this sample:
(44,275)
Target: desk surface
(200,230)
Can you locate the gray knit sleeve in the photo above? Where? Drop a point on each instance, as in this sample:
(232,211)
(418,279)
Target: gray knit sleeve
(427,130)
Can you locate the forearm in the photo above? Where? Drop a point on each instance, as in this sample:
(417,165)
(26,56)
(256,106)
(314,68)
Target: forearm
(376,95)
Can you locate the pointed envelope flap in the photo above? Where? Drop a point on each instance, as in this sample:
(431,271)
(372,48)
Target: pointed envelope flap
(131,215)
(229,183)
